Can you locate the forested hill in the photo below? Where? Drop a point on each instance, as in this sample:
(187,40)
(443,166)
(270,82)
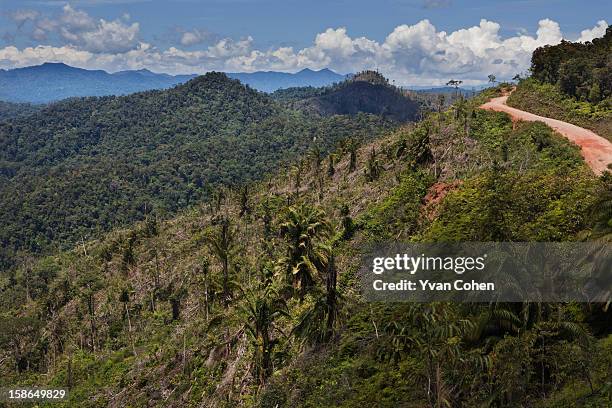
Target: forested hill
(571,82)
(367,91)
(85,165)
(9,110)
(581,70)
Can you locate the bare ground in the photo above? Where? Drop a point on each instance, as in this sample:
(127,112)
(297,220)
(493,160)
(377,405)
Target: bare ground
(596,151)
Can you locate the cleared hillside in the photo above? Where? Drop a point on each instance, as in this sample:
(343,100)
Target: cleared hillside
(253,299)
(83,166)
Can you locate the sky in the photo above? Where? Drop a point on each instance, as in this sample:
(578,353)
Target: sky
(414,42)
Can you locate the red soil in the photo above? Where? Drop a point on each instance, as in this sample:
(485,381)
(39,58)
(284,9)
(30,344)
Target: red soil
(596,150)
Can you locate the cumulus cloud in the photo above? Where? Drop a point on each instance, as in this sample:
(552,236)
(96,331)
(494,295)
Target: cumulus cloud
(598,31)
(194,37)
(79,29)
(411,54)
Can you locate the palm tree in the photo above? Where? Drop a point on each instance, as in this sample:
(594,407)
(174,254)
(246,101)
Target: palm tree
(305,230)
(373,167)
(317,323)
(244,201)
(351,147)
(261,312)
(221,243)
(436,332)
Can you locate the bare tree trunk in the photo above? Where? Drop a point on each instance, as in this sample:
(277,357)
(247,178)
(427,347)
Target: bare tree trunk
(127,313)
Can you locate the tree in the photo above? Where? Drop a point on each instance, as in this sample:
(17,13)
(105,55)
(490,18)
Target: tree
(244,201)
(318,322)
(89,283)
(601,209)
(455,84)
(297,178)
(492,78)
(352,146)
(348,226)
(440,102)
(128,258)
(175,297)
(331,297)
(435,333)
(373,166)
(316,156)
(18,335)
(305,230)
(205,280)
(330,167)
(262,310)
(124,298)
(220,242)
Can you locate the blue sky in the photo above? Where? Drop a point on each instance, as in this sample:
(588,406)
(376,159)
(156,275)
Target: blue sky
(413,41)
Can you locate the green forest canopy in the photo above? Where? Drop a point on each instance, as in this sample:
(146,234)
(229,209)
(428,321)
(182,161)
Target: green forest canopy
(87,165)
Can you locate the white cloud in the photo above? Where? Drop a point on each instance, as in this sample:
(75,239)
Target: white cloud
(410,54)
(75,20)
(79,29)
(195,36)
(110,36)
(598,31)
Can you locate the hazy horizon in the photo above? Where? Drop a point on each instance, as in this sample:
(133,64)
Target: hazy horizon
(414,42)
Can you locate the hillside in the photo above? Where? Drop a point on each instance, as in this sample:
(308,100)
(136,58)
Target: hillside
(571,82)
(83,166)
(10,110)
(361,93)
(253,299)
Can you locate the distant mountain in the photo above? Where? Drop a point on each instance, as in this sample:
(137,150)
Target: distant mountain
(367,92)
(448,90)
(270,81)
(55,81)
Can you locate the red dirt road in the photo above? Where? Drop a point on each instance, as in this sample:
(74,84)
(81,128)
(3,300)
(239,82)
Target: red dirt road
(596,150)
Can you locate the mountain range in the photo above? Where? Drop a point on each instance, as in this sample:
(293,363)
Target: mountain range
(270,81)
(55,81)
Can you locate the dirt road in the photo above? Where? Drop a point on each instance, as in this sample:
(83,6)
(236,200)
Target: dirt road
(596,150)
